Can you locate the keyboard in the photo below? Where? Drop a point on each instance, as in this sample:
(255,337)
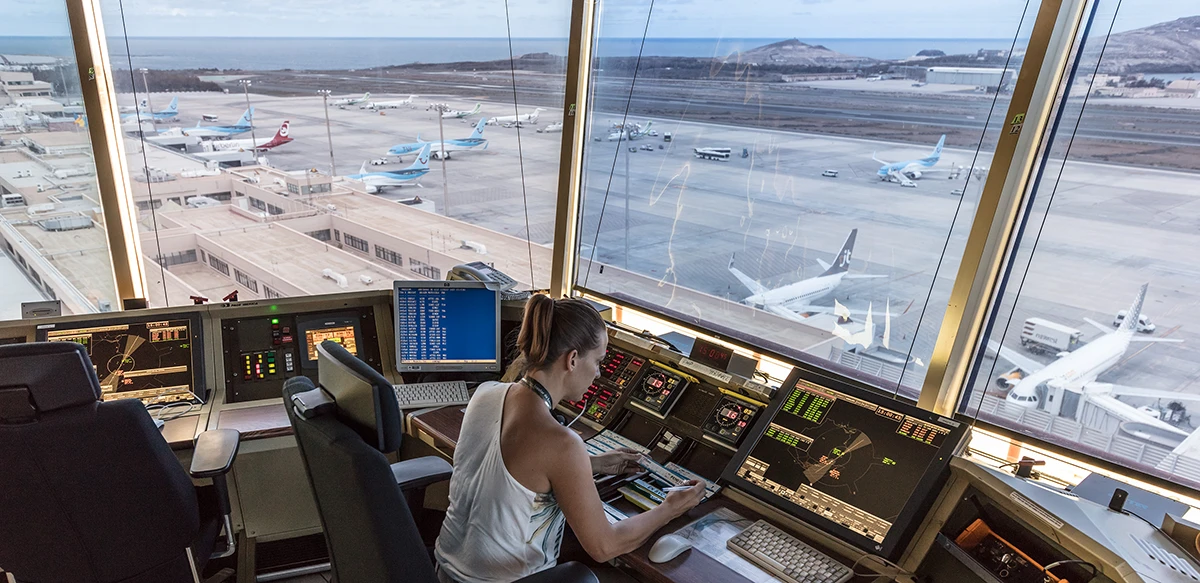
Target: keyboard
(785,556)
(439,394)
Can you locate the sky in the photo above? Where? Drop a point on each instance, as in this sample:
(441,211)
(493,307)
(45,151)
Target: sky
(549,18)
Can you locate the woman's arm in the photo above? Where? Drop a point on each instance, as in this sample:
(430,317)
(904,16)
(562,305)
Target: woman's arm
(570,474)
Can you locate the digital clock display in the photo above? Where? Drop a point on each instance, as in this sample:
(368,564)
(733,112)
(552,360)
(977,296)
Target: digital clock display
(714,355)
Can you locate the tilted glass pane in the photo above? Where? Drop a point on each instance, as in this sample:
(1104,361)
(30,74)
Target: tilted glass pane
(761,171)
(1095,329)
(52,238)
(327,189)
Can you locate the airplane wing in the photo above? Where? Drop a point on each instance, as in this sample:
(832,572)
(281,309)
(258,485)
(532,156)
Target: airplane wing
(786,313)
(803,308)
(753,286)
(876,158)
(1097,325)
(1148,339)
(1146,393)
(824,266)
(1026,364)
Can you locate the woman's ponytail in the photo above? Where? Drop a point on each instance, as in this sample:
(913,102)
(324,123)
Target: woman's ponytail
(552,328)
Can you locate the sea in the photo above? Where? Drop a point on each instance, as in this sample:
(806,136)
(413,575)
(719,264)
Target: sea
(265,54)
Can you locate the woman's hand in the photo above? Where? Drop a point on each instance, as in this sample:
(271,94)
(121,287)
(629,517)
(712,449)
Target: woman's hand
(680,501)
(618,461)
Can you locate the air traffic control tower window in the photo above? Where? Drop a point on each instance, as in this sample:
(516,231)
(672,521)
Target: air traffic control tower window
(1093,346)
(795,177)
(429,131)
(52,233)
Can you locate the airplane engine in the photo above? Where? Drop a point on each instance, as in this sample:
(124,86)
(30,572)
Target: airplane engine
(914,174)
(372,189)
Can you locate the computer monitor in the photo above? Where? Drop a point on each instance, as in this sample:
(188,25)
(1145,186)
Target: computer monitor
(862,467)
(447,326)
(313,329)
(158,359)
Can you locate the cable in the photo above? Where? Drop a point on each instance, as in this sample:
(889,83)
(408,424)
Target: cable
(1047,569)
(895,569)
(620,137)
(520,153)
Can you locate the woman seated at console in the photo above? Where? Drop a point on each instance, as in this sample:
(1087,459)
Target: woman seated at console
(519,474)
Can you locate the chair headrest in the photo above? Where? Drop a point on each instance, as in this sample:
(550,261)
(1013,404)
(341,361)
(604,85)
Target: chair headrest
(365,399)
(48,375)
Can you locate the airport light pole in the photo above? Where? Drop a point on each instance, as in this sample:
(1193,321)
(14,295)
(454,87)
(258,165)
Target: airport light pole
(245,83)
(324,93)
(442,108)
(149,105)
(627,195)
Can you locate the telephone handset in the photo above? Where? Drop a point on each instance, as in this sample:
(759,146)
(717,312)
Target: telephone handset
(494,278)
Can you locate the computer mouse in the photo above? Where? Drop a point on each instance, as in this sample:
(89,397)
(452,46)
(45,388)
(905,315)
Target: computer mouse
(668,547)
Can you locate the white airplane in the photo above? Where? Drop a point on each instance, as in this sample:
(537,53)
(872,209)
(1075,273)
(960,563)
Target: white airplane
(553,128)
(242,126)
(792,300)
(1076,371)
(443,149)
(280,138)
(389,104)
(456,114)
(376,181)
(630,131)
(531,117)
(343,102)
(909,170)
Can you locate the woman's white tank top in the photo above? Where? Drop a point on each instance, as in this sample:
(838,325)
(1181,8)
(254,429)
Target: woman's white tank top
(496,530)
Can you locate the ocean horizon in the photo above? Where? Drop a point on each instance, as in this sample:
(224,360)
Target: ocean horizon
(336,53)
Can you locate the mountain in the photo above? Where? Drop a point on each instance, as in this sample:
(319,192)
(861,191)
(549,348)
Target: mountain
(1166,47)
(795,53)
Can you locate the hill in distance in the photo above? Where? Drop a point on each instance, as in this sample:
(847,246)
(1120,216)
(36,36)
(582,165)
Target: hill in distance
(792,52)
(1166,47)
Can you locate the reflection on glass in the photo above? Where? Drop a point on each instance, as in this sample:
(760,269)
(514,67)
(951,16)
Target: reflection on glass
(52,238)
(1094,335)
(282,150)
(795,177)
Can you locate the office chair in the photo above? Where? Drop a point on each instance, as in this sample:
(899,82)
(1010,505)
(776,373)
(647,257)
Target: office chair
(344,427)
(91,491)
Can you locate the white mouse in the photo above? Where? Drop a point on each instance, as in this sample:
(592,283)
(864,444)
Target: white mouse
(668,547)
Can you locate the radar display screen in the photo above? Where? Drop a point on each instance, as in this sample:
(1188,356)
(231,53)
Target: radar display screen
(859,463)
(151,361)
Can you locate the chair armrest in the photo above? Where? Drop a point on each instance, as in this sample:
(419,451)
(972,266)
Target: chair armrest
(571,572)
(421,472)
(214,453)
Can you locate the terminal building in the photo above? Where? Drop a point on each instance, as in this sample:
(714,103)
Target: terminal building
(379,350)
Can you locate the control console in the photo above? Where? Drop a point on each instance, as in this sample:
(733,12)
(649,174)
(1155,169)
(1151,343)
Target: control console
(659,388)
(262,352)
(604,398)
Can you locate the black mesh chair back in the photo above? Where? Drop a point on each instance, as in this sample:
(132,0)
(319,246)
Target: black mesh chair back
(89,490)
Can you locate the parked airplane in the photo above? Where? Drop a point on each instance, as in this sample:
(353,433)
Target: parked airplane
(443,149)
(794,299)
(1046,386)
(170,113)
(389,104)
(242,126)
(376,181)
(343,102)
(280,138)
(143,104)
(907,171)
(455,114)
(555,127)
(632,131)
(531,117)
